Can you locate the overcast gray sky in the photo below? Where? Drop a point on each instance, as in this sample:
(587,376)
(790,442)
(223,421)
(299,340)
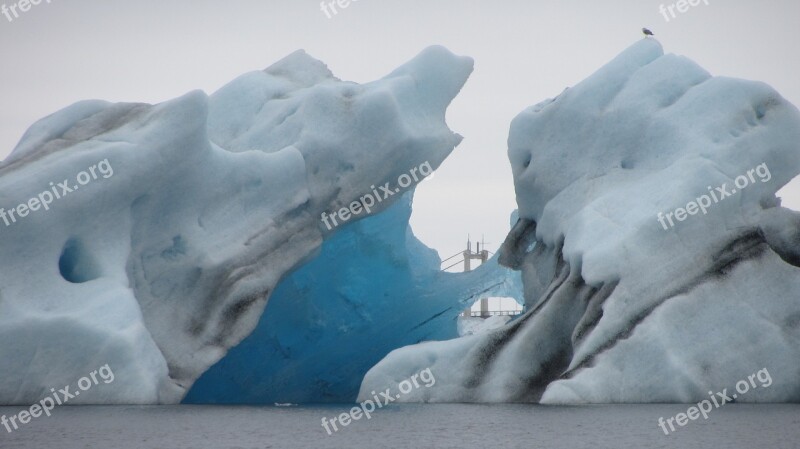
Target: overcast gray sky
(525,51)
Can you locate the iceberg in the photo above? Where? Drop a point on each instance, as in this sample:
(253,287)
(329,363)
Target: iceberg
(657,262)
(150,237)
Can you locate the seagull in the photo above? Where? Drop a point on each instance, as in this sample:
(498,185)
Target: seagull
(647,32)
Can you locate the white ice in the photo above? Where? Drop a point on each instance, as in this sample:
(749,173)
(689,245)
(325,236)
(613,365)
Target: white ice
(160,268)
(621,309)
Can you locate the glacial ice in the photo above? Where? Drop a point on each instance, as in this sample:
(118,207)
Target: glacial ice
(621,308)
(373,288)
(162,267)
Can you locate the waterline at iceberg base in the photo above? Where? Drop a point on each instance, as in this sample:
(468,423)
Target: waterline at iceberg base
(618,308)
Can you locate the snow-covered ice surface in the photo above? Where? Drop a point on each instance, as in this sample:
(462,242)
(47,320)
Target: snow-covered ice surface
(621,309)
(373,288)
(160,268)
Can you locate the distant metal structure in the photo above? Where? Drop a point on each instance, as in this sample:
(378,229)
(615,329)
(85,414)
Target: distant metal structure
(486,314)
(482,254)
(468,256)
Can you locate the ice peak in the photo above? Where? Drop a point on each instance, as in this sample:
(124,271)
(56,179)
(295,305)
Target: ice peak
(301,68)
(437,72)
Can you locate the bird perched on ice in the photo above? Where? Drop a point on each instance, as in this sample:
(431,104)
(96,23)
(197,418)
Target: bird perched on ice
(647,32)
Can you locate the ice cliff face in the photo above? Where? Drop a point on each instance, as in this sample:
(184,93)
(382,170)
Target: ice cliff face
(657,261)
(160,267)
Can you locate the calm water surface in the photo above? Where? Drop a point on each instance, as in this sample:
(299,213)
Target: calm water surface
(405,426)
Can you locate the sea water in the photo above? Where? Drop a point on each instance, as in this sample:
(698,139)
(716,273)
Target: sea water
(405,426)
